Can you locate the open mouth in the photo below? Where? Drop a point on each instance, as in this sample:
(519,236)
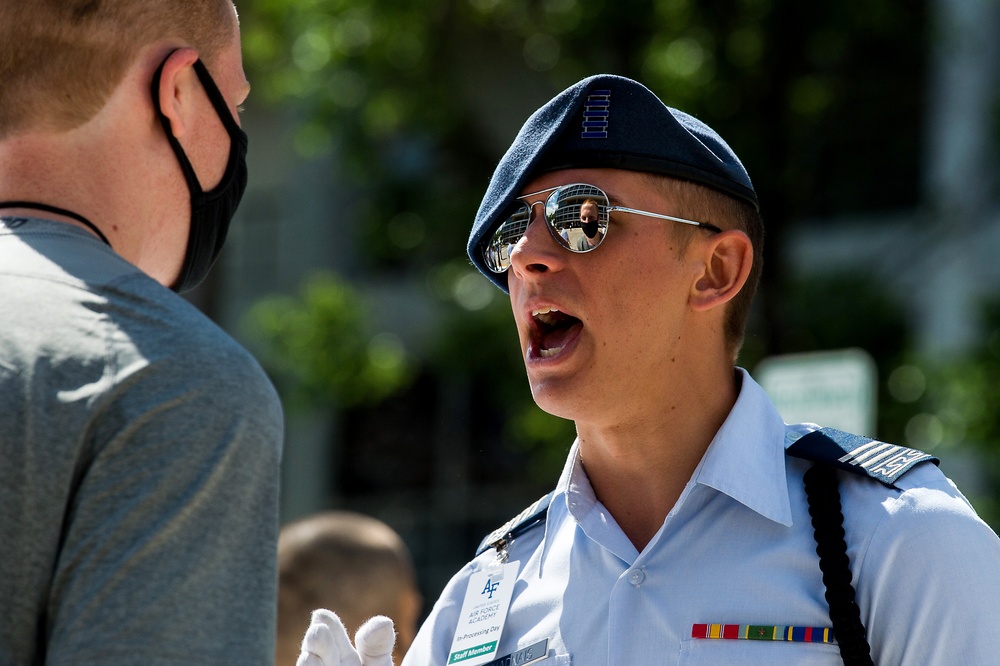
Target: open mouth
(552,331)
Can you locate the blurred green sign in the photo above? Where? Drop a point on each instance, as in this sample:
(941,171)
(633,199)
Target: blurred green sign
(837,389)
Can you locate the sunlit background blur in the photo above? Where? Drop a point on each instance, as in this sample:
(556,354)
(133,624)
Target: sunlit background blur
(871,130)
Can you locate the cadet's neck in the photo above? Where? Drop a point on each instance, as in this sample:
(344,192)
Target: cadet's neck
(639,469)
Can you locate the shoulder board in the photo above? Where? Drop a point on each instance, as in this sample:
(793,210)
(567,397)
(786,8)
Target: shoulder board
(885,463)
(516,526)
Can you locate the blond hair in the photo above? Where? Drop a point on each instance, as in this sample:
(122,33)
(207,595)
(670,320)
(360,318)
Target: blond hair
(60,60)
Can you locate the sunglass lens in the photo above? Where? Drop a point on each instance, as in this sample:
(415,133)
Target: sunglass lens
(578,216)
(497,253)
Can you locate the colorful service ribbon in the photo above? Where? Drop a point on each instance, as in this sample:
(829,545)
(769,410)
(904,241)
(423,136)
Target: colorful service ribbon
(754,632)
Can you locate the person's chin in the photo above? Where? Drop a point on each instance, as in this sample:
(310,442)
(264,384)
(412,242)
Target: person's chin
(561,394)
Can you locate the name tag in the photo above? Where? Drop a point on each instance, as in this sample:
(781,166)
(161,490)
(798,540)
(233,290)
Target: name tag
(484,613)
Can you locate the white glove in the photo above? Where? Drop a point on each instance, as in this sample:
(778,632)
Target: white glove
(326,642)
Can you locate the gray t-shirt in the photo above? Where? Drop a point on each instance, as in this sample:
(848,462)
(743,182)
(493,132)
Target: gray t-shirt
(139,454)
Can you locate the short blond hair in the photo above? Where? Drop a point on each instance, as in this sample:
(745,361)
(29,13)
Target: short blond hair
(60,60)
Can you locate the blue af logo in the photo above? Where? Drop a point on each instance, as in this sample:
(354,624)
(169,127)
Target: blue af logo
(490,588)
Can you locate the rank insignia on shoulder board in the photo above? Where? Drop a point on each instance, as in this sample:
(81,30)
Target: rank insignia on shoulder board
(881,461)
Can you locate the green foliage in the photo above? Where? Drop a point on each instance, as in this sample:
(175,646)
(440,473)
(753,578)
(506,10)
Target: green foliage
(318,347)
(417,99)
(955,401)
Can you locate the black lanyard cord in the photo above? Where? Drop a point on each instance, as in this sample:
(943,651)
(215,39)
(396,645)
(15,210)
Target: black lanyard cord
(828,519)
(58,211)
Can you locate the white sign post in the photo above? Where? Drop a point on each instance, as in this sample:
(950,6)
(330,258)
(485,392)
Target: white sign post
(837,389)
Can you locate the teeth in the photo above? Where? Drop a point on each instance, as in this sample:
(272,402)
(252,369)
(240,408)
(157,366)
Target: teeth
(545,315)
(548,316)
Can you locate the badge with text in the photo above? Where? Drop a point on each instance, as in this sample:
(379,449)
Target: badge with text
(484,613)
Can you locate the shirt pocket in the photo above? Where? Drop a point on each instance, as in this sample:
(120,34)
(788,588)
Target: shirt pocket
(713,652)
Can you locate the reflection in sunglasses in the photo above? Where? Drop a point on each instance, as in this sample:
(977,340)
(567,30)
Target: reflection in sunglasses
(576,216)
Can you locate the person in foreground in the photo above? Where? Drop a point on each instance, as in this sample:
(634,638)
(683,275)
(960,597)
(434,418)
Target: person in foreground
(140,443)
(690,525)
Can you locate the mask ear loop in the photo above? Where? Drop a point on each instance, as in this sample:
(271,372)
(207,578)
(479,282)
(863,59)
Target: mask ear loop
(216,98)
(189,175)
(198,252)
(234,131)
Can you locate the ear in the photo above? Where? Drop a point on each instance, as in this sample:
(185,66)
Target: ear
(728,257)
(176,88)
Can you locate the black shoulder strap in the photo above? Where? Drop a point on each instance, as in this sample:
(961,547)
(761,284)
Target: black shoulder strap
(832,450)
(531,517)
(828,525)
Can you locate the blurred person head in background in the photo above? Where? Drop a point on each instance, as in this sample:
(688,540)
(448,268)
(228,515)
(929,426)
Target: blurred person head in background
(352,564)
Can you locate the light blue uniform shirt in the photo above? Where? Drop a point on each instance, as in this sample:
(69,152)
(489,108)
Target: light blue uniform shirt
(738,548)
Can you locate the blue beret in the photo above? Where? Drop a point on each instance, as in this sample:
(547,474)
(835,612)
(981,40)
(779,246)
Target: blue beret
(613,122)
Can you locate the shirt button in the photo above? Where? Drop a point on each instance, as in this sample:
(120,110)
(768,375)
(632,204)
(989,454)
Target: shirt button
(793,436)
(636,576)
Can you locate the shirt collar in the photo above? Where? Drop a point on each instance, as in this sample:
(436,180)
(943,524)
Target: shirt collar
(573,494)
(746,459)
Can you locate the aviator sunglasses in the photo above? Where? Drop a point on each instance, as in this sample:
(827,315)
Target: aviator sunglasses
(576,216)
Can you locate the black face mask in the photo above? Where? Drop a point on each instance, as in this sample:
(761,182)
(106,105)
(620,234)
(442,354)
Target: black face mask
(211,212)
